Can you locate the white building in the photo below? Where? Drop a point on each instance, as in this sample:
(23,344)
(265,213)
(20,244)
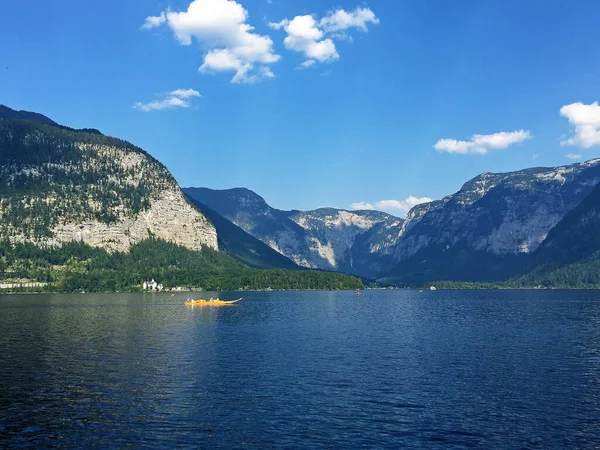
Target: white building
(151,286)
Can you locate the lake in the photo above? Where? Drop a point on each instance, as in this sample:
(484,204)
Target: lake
(388,369)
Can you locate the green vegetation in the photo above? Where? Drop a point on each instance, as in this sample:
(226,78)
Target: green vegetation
(51,174)
(460,263)
(77,266)
(584,274)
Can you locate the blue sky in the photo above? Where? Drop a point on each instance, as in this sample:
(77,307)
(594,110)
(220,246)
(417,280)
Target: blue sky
(386,82)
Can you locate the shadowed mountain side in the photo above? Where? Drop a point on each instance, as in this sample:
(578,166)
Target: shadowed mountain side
(241,245)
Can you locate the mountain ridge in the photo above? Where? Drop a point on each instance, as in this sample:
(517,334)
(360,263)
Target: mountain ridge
(484,232)
(495,219)
(83,211)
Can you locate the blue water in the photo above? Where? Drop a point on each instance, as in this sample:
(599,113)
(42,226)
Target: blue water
(388,369)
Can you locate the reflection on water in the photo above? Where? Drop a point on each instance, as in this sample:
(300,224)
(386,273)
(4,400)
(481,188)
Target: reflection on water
(395,369)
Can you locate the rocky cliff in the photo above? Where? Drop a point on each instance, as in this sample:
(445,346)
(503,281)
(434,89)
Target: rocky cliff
(59,185)
(342,240)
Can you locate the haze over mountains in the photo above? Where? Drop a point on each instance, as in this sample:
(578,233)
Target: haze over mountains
(59,185)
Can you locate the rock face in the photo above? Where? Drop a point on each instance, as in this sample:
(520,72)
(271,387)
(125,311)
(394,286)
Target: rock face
(481,232)
(370,252)
(576,237)
(169,218)
(323,238)
(59,185)
(344,240)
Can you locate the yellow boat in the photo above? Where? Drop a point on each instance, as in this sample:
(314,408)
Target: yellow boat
(212,302)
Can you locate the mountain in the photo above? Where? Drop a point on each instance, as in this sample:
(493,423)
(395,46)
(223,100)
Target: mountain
(323,238)
(8,113)
(369,253)
(242,246)
(576,236)
(346,241)
(60,185)
(84,211)
(251,213)
(488,230)
(570,255)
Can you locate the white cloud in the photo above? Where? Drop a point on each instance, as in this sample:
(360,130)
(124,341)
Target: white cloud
(184,93)
(220,27)
(482,143)
(315,39)
(279,25)
(157,105)
(306,64)
(304,36)
(154,21)
(402,205)
(322,51)
(572,156)
(342,20)
(586,120)
(342,36)
(361,206)
(303,27)
(174,99)
(392,205)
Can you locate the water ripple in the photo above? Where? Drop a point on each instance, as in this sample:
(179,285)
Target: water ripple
(389,369)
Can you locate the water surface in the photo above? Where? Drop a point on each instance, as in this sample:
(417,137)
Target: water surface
(388,369)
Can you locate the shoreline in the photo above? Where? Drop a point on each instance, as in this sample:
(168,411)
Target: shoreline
(419,290)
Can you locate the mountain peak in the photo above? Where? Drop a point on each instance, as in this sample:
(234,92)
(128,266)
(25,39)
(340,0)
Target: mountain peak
(229,201)
(9,113)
